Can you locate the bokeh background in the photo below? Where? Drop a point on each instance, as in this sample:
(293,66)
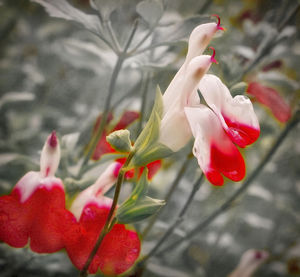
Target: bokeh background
(54,75)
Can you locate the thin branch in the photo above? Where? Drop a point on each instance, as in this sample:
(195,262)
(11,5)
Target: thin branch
(243,188)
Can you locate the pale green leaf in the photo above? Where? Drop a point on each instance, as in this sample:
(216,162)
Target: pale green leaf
(150,10)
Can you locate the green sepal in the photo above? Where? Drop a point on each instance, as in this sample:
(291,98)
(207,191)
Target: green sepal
(152,153)
(239,88)
(151,131)
(120,140)
(138,206)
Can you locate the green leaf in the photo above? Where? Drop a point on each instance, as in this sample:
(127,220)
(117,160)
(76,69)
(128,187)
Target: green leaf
(239,88)
(141,210)
(120,140)
(150,10)
(62,9)
(150,133)
(150,154)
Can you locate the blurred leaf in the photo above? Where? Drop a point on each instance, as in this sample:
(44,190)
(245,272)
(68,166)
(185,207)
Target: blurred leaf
(16,97)
(178,31)
(150,10)
(105,7)
(239,88)
(244,51)
(62,9)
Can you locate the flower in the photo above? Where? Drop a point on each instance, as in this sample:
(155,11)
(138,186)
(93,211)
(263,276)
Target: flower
(217,129)
(36,206)
(215,152)
(120,247)
(181,91)
(271,99)
(235,114)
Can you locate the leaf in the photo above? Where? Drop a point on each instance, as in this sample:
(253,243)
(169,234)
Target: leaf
(141,210)
(138,206)
(239,88)
(62,9)
(150,154)
(150,10)
(151,131)
(16,97)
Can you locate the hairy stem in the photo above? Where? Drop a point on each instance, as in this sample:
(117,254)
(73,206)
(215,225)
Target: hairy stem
(110,221)
(243,188)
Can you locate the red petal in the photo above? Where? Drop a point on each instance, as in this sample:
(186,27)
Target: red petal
(48,208)
(126,119)
(153,168)
(14,226)
(118,251)
(272,99)
(241,134)
(227,160)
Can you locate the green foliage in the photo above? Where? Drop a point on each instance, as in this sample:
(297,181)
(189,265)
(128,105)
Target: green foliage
(239,88)
(150,10)
(120,140)
(138,206)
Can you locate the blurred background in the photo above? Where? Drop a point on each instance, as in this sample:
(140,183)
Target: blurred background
(55,74)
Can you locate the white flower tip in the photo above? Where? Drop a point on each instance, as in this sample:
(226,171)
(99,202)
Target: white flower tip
(198,66)
(50,156)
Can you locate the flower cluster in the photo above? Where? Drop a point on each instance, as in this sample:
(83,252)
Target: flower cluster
(35,211)
(225,122)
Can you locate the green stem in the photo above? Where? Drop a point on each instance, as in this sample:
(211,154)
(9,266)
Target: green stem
(168,196)
(178,220)
(110,221)
(243,188)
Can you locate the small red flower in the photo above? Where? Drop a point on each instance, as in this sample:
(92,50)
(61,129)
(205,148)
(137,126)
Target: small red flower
(271,99)
(36,206)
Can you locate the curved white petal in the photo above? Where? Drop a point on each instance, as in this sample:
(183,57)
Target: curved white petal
(198,41)
(95,193)
(50,156)
(236,114)
(174,129)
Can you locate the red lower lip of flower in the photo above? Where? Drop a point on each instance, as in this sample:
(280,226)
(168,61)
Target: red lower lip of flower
(228,162)
(38,219)
(240,133)
(119,249)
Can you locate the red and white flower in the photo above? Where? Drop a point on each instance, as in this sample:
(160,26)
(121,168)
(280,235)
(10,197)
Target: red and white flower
(119,249)
(36,206)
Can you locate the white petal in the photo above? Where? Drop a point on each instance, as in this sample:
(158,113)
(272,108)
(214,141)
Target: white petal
(94,193)
(174,130)
(33,180)
(50,156)
(235,114)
